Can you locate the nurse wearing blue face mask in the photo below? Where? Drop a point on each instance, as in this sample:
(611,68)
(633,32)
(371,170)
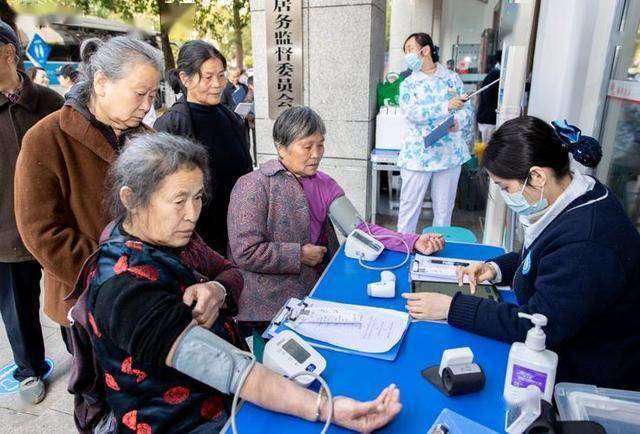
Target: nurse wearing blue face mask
(427,96)
(578,265)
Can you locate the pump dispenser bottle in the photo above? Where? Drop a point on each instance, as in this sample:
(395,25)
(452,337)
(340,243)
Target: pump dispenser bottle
(530,363)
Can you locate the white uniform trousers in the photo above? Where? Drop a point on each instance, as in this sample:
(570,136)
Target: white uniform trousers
(444,184)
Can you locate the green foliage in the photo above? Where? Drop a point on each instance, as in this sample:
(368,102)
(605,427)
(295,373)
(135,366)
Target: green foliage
(214,20)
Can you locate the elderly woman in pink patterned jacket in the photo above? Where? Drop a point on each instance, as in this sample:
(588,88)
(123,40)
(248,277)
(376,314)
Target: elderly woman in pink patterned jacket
(280,233)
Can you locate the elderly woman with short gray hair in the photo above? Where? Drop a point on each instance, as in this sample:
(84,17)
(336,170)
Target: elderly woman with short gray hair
(60,173)
(158,302)
(280,231)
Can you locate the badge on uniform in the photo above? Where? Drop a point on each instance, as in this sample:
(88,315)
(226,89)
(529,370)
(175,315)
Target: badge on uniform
(526,266)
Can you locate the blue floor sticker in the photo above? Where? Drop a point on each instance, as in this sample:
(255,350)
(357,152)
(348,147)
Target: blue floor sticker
(9,385)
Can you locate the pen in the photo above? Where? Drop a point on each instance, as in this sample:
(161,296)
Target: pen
(441,262)
(482,89)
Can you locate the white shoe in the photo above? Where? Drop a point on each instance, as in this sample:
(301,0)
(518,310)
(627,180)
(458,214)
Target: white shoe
(32,390)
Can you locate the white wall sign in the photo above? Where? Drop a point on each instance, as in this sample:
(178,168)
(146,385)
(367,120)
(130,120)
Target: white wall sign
(284,54)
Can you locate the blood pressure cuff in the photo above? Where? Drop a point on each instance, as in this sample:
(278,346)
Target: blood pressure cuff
(211,360)
(344,215)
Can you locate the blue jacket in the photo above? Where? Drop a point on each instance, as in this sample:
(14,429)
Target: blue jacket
(582,273)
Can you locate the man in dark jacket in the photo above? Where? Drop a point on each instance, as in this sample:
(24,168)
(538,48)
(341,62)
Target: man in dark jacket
(22,104)
(488,101)
(234,92)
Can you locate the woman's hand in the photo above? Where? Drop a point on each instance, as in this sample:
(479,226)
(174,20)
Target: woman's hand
(312,255)
(455,127)
(476,273)
(366,416)
(209,298)
(427,305)
(429,244)
(457,102)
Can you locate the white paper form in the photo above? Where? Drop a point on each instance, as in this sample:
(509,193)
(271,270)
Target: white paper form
(324,315)
(379,331)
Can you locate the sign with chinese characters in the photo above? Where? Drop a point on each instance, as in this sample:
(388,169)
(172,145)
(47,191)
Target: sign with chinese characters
(284,54)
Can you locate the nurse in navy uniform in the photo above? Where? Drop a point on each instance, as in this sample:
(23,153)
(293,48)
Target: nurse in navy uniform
(578,265)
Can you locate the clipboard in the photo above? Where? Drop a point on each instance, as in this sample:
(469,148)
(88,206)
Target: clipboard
(244,108)
(292,310)
(441,130)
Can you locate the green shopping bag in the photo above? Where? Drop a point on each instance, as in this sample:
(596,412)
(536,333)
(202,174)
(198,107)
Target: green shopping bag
(389,89)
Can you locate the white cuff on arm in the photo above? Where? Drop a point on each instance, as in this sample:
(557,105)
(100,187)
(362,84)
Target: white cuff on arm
(221,286)
(495,266)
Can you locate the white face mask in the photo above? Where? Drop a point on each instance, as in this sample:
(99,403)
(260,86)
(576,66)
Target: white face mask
(414,60)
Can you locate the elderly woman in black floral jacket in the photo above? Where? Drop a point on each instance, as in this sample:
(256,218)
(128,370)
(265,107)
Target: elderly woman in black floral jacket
(158,302)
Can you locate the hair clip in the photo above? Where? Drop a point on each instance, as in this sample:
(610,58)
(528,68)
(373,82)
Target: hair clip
(569,134)
(585,150)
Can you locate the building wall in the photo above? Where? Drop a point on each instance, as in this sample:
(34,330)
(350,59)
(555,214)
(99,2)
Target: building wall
(343,63)
(569,67)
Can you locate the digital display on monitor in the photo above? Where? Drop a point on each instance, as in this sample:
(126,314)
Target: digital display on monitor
(296,351)
(366,241)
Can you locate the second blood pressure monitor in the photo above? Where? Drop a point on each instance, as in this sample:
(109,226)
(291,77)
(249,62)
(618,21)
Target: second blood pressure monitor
(288,354)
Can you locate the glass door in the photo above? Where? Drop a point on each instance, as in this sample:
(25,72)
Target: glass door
(620,135)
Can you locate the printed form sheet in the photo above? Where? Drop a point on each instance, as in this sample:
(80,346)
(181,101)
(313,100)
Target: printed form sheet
(377,331)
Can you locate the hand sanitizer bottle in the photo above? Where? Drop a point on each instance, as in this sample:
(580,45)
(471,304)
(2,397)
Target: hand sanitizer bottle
(530,363)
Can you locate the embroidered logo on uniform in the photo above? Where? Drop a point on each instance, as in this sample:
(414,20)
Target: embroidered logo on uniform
(526,266)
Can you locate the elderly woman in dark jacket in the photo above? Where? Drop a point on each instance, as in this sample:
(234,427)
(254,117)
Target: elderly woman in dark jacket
(159,300)
(280,233)
(201,76)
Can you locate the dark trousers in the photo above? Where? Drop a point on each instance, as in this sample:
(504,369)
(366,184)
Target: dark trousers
(66,338)
(20,308)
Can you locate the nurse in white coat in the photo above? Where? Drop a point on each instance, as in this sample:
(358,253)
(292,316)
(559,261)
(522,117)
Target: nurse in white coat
(429,94)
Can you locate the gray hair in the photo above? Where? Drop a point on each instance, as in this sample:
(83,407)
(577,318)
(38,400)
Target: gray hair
(145,161)
(114,58)
(296,123)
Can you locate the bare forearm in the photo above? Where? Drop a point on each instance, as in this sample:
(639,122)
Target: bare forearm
(269,390)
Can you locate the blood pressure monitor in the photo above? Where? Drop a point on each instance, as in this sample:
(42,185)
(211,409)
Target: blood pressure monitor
(288,354)
(361,245)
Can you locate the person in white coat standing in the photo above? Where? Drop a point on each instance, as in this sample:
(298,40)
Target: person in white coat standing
(427,96)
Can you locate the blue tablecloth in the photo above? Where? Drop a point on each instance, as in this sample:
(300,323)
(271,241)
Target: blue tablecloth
(363,377)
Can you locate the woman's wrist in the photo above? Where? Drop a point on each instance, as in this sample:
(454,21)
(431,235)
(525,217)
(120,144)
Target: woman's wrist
(323,413)
(222,288)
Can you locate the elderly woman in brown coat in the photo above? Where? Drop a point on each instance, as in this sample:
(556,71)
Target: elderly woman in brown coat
(280,230)
(60,174)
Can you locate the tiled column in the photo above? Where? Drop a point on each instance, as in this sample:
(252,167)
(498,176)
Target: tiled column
(343,62)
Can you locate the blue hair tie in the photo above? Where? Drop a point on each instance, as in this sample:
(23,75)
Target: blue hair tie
(585,150)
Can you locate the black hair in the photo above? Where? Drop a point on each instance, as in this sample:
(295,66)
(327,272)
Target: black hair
(190,59)
(528,141)
(423,40)
(69,71)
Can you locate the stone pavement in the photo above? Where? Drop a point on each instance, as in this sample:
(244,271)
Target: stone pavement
(54,415)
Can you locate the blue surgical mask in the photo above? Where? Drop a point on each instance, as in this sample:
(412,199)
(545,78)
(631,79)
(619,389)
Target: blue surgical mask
(518,203)
(414,62)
